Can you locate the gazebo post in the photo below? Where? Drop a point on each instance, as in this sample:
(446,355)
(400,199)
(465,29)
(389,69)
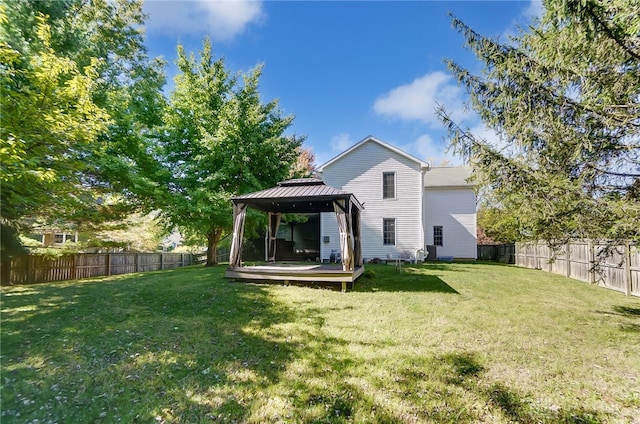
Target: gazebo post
(274,223)
(343,215)
(235,255)
(357,245)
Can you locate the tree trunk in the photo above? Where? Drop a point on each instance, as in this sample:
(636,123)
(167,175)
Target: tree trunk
(213,238)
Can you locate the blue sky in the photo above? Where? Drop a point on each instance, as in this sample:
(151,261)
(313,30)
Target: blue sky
(345,70)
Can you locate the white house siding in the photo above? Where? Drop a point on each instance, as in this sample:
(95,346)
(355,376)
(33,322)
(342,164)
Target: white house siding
(455,210)
(360,172)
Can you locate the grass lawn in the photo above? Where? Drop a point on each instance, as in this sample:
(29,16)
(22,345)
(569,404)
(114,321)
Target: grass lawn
(449,342)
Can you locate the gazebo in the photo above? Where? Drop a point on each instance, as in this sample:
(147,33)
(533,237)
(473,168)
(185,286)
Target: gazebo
(303,196)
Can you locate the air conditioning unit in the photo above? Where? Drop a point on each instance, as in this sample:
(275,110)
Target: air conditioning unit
(431,253)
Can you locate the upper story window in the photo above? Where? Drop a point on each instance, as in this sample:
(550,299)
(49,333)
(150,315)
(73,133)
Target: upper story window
(438,236)
(388,185)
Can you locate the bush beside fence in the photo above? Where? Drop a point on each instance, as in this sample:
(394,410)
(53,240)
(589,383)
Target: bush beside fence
(30,269)
(617,268)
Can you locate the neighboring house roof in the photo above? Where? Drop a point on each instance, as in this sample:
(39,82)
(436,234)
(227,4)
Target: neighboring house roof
(302,195)
(371,139)
(456,176)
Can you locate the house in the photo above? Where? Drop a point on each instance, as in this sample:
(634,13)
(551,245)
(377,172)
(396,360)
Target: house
(410,208)
(54,237)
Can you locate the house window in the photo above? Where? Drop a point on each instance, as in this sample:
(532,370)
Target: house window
(437,235)
(388,185)
(389,231)
(59,238)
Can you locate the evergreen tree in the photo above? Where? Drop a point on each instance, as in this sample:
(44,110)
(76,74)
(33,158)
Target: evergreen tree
(565,98)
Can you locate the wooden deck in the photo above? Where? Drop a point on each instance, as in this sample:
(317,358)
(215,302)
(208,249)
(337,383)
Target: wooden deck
(288,272)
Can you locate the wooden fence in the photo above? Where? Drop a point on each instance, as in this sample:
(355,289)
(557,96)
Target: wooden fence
(30,269)
(617,268)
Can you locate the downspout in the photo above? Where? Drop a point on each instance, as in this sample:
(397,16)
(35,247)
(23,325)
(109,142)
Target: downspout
(423,171)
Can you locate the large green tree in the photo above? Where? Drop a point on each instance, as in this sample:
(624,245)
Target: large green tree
(50,124)
(219,140)
(130,89)
(79,97)
(564,96)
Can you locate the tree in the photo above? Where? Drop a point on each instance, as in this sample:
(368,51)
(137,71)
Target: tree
(304,166)
(50,125)
(79,97)
(497,224)
(130,89)
(219,140)
(565,98)
(138,232)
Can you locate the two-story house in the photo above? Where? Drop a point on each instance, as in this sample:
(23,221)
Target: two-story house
(409,206)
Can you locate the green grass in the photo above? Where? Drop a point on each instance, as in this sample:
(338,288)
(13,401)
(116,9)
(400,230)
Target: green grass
(437,343)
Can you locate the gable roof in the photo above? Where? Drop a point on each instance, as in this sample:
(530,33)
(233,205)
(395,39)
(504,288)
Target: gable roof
(302,195)
(455,176)
(372,139)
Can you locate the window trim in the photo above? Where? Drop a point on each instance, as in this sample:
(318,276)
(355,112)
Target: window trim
(395,186)
(441,235)
(384,231)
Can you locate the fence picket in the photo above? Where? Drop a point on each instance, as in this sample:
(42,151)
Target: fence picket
(618,270)
(30,269)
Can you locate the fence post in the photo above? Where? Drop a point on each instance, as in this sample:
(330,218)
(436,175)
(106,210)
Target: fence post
(627,268)
(161,260)
(136,261)
(30,271)
(568,256)
(592,262)
(108,263)
(74,267)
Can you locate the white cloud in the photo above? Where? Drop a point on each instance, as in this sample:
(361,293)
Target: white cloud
(532,13)
(338,144)
(494,139)
(341,142)
(429,150)
(481,132)
(418,100)
(220,19)
(535,10)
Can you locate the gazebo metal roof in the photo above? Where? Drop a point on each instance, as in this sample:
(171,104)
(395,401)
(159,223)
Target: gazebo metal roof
(302,195)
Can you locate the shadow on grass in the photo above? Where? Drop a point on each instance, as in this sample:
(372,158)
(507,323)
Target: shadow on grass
(630,317)
(151,347)
(627,311)
(173,347)
(455,266)
(465,369)
(188,346)
(463,365)
(517,409)
(385,278)
(632,314)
